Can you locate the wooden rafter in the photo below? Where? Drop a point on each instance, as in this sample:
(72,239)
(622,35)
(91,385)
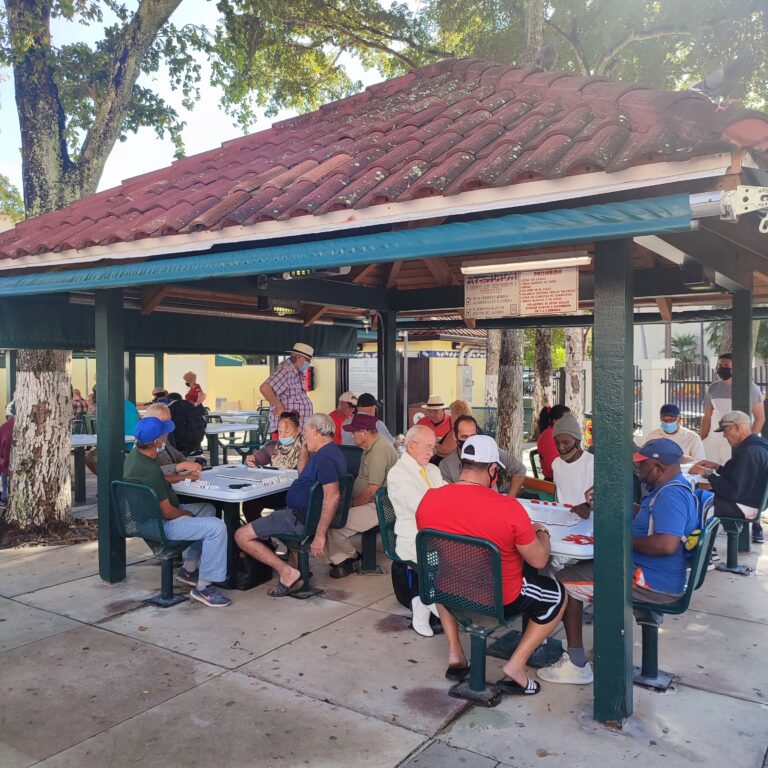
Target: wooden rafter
(151,296)
(664,304)
(364,273)
(313,313)
(394,271)
(439,270)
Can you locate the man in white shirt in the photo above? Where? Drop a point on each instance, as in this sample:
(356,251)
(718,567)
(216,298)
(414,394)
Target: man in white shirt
(407,482)
(573,471)
(672,428)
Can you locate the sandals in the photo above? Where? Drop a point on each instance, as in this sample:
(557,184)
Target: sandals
(282,591)
(510,687)
(457,672)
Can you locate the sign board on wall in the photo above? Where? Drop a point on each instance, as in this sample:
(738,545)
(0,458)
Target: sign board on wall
(540,292)
(364,374)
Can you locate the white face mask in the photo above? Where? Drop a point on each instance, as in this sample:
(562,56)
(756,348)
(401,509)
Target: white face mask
(161,448)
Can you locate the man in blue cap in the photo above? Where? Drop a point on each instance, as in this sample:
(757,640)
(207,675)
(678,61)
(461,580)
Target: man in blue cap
(205,561)
(671,426)
(664,519)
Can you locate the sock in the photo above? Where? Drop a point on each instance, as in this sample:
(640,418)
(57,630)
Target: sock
(202,584)
(577,656)
(190,566)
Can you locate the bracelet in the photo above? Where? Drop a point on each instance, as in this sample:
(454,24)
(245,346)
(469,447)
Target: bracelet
(544,530)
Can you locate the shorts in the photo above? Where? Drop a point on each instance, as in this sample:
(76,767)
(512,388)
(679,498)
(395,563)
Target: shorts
(540,599)
(579,582)
(282,522)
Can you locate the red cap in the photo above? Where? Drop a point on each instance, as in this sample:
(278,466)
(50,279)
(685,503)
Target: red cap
(361,421)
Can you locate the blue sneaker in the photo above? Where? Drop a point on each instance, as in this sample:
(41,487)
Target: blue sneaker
(183,576)
(210,596)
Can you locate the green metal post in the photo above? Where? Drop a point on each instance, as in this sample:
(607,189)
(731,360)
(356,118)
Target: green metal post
(742,371)
(130,376)
(10,374)
(159,369)
(613,398)
(388,366)
(110,393)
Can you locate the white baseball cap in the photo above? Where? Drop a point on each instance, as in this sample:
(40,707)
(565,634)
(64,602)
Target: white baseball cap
(481,449)
(348,397)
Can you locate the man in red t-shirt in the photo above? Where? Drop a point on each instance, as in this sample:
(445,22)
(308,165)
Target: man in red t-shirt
(344,411)
(470,508)
(440,423)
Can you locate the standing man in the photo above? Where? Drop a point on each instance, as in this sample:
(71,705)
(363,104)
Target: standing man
(672,428)
(717,402)
(284,389)
(379,456)
(196,396)
(345,410)
(440,423)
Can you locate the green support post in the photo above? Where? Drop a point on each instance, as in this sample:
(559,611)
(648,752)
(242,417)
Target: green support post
(130,376)
(613,398)
(110,393)
(742,371)
(10,374)
(388,369)
(159,369)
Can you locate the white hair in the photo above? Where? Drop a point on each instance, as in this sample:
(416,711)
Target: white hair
(323,423)
(415,431)
(156,409)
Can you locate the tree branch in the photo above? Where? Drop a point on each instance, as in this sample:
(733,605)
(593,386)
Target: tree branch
(575,43)
(635,36)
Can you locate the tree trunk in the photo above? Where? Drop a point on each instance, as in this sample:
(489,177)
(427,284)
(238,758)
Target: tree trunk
(534,31)
(574,372)
(542,384)
(40,485)
(492,349)
(509,433)
(726,343)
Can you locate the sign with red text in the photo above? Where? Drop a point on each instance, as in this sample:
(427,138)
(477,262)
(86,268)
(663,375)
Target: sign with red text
(490,296)
(549,292)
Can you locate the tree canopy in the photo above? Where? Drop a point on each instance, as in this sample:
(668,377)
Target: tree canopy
(11,204)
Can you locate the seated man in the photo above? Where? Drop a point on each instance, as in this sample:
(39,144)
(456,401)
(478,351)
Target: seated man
(450,467)
(672,427)
(321,461)
(469,507)
(378,458)
(190,424)
(173,463)
(407,482)
(739,485)
(366,403)
(667,515)
(573,471)
(440,423)
(187,522)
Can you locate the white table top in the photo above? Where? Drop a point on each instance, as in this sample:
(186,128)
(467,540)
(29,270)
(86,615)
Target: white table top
(563,524)
(88,441)
(234,415)
(221,429)
(258,482)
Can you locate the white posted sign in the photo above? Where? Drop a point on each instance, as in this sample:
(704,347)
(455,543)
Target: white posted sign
(490,296)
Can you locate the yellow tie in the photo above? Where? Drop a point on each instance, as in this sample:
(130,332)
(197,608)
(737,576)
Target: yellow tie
(424,475)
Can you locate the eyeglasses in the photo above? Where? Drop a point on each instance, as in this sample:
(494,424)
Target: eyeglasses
(431,449)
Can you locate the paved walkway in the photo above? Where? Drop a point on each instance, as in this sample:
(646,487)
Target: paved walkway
(92,677)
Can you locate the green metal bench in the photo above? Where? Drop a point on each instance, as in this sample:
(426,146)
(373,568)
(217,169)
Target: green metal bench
(301,542)
(535,460)
(137,514)
(649,674)
(353,456)
(386,514)
(463,574)
(733,527)
(254,439)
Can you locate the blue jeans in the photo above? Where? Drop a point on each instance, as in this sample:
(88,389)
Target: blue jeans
(209,535)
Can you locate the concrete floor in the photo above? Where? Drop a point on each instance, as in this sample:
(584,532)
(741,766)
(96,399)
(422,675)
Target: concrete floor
(94,677)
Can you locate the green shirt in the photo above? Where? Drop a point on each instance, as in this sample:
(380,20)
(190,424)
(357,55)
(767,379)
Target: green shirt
(139,468)
(374,465)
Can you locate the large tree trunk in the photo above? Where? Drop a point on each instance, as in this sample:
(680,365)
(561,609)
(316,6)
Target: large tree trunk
(40,485)
(726,345)
(542,384)
(574,372)
(534,30)
(492,349)
(509,433)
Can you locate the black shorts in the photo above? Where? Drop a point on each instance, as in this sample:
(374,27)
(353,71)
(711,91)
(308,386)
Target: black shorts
(540,599)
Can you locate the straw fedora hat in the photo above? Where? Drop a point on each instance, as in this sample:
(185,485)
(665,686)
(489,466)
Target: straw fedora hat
(435,403)
(302,349)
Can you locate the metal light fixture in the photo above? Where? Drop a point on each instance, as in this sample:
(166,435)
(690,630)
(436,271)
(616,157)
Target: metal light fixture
(498,266)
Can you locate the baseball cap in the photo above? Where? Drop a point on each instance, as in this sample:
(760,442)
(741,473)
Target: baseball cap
(348,397)
(669,409)
(150,428)
(481,449)
(361,421)
(366,400)
(664,450)
(733,418)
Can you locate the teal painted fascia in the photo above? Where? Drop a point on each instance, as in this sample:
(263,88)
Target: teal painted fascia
(607,221)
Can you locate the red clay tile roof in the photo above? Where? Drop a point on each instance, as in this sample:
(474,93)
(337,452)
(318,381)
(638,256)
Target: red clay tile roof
(455,126)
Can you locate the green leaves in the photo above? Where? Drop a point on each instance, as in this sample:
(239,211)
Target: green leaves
(11,204)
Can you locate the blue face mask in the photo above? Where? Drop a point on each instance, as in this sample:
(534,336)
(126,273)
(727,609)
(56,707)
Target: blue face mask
(286,440)
(669,427)
(303,367)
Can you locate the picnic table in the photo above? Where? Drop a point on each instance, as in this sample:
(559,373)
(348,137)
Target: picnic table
(79,445)
(227,486)
(212,432)
(237,416)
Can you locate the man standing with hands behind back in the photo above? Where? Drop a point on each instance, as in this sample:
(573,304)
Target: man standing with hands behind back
(284,389)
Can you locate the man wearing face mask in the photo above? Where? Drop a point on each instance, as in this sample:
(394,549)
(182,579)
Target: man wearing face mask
(205,561)
(672,427)
(284,389)
(717,402)
(662,522)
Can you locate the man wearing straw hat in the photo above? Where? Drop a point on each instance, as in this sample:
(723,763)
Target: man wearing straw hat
(284,389)
(440,423)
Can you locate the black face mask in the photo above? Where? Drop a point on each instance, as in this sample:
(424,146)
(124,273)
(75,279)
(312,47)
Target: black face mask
(187,384)
(460,445)
(725,373)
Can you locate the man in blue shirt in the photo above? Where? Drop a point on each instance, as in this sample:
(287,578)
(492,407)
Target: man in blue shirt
(661,524)
(321,461)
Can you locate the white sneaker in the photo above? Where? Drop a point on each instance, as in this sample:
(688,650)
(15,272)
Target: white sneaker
(433,610)
(565,671)
(420,619)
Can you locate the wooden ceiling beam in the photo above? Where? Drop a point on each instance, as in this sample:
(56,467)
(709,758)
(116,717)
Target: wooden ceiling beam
(394,271)
(312,314)
(152,296)
(664,303)
(439,270)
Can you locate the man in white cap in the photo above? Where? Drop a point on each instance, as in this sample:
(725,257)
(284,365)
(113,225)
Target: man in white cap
(345,410)
(440,423)
(284,389)
(470,508)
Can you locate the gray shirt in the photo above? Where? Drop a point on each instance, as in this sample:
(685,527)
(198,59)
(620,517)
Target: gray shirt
(169,458)
(720,395)
(347,439)
(450,466)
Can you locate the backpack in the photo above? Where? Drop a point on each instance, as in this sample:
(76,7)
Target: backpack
(692,539)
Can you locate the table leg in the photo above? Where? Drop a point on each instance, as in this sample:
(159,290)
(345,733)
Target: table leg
(79,475)
(230,512)
(213,450)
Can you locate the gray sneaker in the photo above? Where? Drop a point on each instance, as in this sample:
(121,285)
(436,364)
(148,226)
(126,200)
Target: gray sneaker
(183,576)
(210,596)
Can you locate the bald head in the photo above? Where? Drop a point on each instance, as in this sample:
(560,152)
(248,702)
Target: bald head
(420,444)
